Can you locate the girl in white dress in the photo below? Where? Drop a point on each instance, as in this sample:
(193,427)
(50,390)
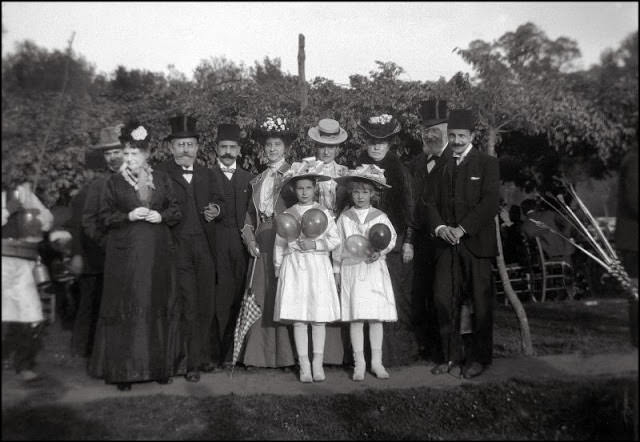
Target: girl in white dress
(366,292)
(307,292)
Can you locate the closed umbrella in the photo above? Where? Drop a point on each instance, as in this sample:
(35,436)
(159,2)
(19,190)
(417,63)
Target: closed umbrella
(249,313)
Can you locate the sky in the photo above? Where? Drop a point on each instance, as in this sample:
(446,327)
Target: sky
(342,38)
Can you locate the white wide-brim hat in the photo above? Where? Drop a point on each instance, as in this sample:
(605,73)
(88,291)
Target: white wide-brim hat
(328,131)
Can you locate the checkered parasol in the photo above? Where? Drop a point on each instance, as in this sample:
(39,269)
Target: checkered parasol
(249,313)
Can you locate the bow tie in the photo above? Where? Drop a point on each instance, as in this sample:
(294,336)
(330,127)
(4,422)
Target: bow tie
(228,169)
(185,171)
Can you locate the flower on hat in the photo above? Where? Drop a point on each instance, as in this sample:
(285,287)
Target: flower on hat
(275,124)
(309,165)
(380,119)
(139,133)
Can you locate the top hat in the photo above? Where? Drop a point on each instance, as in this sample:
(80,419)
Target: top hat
(328,131)
(228,132)
(109,138)
(433,112)
(183,126)
(380,126)
(461,119)
(369,173)
(275,127)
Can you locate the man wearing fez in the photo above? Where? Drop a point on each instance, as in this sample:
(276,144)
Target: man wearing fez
(198,192)
(460,211)
(433,132)
(231,254)
(87,244)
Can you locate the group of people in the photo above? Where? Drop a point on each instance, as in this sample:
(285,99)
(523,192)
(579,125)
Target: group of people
(164,253)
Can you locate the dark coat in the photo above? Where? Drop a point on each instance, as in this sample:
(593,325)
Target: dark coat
(474,206)
(240,182)
(626,236)
(423,183)
(207,190)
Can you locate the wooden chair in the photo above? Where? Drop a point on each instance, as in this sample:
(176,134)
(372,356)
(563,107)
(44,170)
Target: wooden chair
(521,281)
(552,277)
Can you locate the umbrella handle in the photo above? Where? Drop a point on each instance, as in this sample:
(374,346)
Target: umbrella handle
(253,269)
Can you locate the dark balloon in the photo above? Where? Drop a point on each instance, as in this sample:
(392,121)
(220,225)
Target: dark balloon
(314,223)
(287,226)
(379,236)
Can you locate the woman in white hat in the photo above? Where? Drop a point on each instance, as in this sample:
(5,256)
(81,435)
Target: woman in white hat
(328,135)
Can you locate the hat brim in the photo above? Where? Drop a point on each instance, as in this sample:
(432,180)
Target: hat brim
(432,122)
(344,180)
(262,135)
(117,145)
(309,176)
(341,137)
(366,130)
(182,135)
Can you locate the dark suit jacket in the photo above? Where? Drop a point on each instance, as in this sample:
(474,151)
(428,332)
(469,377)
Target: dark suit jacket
(206,190)
(626,236)
(472,204)
(240,182)
(423,184)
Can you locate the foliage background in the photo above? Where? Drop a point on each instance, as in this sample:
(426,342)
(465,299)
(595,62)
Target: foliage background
(540,115)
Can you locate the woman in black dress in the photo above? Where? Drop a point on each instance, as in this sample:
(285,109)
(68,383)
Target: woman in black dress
(135,339)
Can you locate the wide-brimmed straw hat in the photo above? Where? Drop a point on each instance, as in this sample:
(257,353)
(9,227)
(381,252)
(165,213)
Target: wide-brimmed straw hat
(380,126)
(328,131)
(109,138)
(367,172)
(275,127)
(309,168)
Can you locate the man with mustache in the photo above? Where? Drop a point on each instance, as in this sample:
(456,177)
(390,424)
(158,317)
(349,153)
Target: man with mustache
(198,191)
(88,242)
(433,132)
(231,254)
(460,212)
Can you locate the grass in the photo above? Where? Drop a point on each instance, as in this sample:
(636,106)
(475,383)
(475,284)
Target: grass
(602,409)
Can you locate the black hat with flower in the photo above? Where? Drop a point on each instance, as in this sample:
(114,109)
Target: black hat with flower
(379,126)
(275,126)
(135,134)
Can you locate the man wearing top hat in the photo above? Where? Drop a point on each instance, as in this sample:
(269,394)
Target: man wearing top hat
(433,132)
(88,242)
(198,192)
(460,212)
(231,254)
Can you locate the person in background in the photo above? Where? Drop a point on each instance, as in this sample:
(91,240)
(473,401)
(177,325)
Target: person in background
(328,136)
(231,255)
(199,193)
(398,202)
(553,245)
(88,242)
(24,219)
(433,132)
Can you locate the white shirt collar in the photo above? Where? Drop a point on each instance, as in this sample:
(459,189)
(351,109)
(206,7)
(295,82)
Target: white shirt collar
(185,167)
(277,165)
(233,166)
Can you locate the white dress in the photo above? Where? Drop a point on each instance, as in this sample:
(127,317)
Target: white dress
(366,292)
(306,286)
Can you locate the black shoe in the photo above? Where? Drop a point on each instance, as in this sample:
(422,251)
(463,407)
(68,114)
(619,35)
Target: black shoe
(192,376)
(472,370)
(124,386)
(164,381)
(208,367)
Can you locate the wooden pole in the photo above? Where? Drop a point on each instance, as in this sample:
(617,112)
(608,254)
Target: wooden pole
(54,118)
(302,84)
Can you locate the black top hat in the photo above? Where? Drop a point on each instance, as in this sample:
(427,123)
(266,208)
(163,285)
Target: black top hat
(380,126)
(183,126)
(461,119)
(433,112)
(229,132)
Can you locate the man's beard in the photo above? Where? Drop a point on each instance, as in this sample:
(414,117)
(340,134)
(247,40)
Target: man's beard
(185,160)
(114,165)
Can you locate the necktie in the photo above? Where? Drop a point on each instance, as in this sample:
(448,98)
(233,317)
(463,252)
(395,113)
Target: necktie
(228,169)
(431,162)
(188,172)
(458,158)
